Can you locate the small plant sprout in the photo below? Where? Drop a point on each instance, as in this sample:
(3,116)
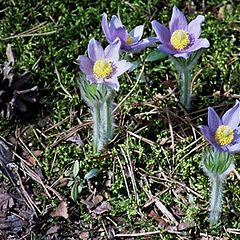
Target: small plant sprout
(181,41)
(130,42)
(102,69)
(76,182)
(217,162)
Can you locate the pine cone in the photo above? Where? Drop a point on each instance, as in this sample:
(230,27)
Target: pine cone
(13,90)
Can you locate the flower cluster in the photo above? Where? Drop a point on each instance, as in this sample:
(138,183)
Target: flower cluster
(103,67)
(180,40)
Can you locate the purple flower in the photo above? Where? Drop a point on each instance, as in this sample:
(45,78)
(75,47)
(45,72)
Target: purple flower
(103,66)
(130,42)
(181,39)
(223,133)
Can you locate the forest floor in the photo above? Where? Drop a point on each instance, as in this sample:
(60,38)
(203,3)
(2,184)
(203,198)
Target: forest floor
(147,183)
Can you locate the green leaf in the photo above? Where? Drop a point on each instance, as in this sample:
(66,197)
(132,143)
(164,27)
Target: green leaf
(76,168)
(92,173)
(155,56)
(135,65)
(92,93)
(79,188)
(74,192)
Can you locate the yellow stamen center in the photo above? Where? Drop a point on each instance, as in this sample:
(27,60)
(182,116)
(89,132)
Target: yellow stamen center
(224,135)
(129,40)
(102,68)
(180,39)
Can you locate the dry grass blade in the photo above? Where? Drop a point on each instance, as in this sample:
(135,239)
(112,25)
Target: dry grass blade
(32,32)
(124,177)
(59,80)
(23,192)
(145,234)
(26,170)
(236,173)
(141,138)
(165,211)
(233,231)
(131,173)
(70,132)
(73,114)
(173,181)
(130,92)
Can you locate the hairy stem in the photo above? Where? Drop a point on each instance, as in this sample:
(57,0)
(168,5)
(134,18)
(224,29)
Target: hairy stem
(185,87)
(96,114)
(216,199)
(108,115)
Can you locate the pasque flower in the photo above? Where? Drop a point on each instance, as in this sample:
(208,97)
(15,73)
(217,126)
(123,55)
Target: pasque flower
(103,66)
(223,133)
(130,42)
(181,39)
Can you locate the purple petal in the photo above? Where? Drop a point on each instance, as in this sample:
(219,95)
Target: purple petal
(85,65)
(105,28)
(95,50)
(161,31)
(206,132)
(234,148)
(232,116)
(208,135)
(214,120)
(112,50)
(112,83)
(138,46)
(178,20)
(115,23)
(152,40)
(92,78)
(137,32)
(236,135)
(166,49)
(183,55)
(194,26)
(121,33)
(198,43)
(121,67)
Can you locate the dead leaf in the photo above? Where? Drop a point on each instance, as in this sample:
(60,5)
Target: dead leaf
(37,153)
(91,203)
(6,201)
(104,207)
(60,211)
(161,223)
(225,11)
(84,235)
(76,139)
(184,226)
(5,153)
(9,54)
(53,229)
(31,160)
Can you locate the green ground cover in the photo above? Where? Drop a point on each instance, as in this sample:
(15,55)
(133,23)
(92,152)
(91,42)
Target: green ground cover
(155,155)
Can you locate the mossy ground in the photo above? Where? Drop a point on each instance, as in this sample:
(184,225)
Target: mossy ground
(154,135)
